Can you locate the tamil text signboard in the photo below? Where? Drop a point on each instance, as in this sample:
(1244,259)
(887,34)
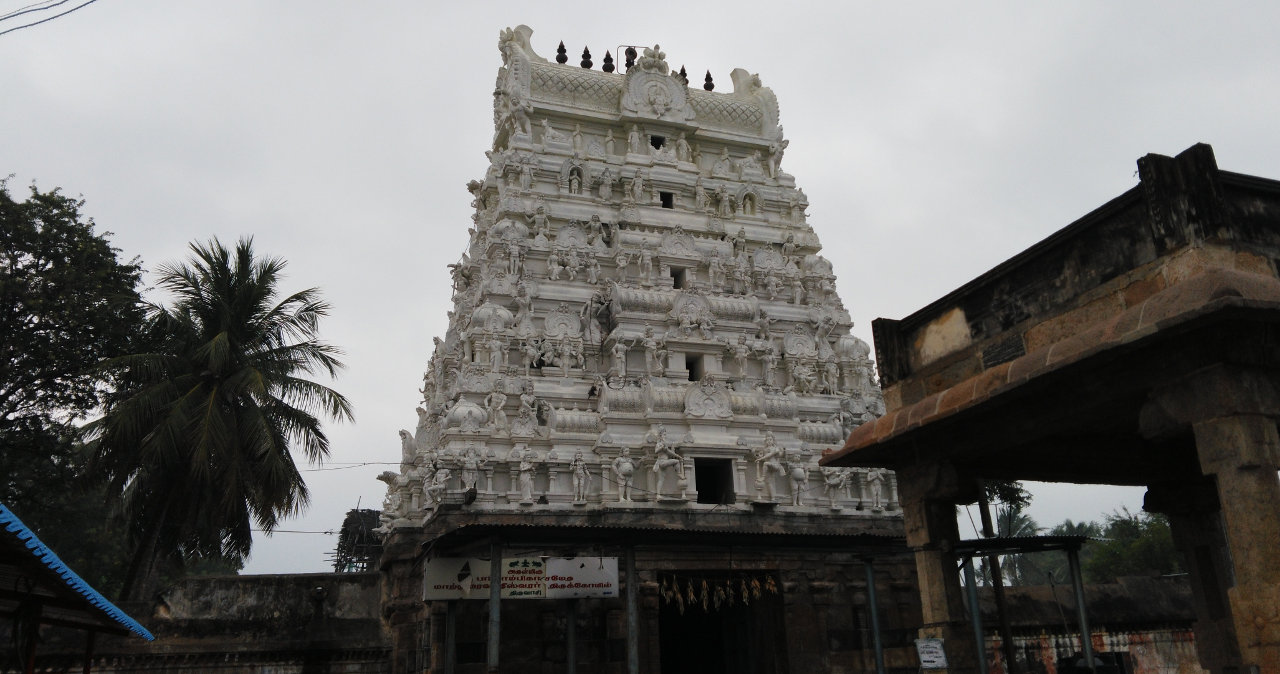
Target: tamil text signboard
(522,578)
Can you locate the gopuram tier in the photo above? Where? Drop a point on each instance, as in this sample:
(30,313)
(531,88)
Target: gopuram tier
(642,319)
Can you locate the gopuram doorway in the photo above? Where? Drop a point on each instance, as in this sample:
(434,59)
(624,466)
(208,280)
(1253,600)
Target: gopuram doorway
(721,623)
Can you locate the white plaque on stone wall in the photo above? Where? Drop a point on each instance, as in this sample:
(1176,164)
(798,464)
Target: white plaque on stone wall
(931,653)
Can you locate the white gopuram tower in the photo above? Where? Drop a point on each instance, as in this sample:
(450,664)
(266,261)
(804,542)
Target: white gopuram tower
(642,320)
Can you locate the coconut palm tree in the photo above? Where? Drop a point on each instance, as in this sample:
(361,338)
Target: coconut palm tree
(195,443)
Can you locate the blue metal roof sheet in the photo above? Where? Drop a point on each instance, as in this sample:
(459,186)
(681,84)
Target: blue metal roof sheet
(13,526)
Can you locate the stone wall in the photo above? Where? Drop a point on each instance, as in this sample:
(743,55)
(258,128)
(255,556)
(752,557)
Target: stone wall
(809,615)
(284,624)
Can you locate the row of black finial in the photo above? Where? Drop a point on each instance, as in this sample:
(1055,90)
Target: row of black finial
(562,57)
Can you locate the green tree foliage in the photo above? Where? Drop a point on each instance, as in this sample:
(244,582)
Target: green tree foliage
(1052,568)
(1126,544)
(67,303)
(1136,545)
(1012,521)
(194,447)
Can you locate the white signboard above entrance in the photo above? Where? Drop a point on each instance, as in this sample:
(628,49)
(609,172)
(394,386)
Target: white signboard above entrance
(569,577)
(522,578)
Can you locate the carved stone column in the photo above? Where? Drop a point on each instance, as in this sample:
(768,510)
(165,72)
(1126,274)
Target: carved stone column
(1243,453)
(1226,522)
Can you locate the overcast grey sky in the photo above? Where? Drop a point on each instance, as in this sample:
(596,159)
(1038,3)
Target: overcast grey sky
(934,140)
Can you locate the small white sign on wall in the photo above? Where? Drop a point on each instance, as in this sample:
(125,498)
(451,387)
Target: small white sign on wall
(931,653)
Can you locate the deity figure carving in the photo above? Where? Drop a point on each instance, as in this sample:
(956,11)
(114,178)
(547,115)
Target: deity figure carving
(763,323)
(513,110)
(724,202)
(850,415)
(830,377)
(461,274)
(472,463)
(578,144)
(682,148)
(834,481)
(497,347)
(646,266)
(622,260)
(651,344)
(802,378)
(715,269)
(531,352)
(701,201)
(526,171)
(768,458)
(581,477)
(572,262)
(625,469)
(527,460)
(637,187)
(772,284)
(769,363)
(740,351)
(515,258)
(634,144)
(494,402)
(798,471)
(439,484)
(875,485)
(553,265)
(619,351)
(604,185)
(664,456)
(608,143)
(723,165)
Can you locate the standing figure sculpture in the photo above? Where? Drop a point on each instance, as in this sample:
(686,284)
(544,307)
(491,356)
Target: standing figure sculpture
(472,462)
(799,472)
(581,478)
(494,402)
(527,459)
(875,483)
(625,470)
(651,346)
(619,351)
(664,456)
(767,464)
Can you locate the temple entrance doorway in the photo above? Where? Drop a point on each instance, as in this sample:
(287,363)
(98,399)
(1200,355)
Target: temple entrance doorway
(709,628)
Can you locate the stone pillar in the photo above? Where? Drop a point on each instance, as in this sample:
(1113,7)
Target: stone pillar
(1243,453)
(929,496)
(1226,521)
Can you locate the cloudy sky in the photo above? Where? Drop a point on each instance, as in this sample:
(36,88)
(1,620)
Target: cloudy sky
(934,140)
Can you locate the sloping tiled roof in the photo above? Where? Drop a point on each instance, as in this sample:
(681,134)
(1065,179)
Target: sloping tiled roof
(29,569)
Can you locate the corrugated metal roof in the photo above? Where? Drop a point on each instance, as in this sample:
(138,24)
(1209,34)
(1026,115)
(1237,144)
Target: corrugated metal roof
(43,567)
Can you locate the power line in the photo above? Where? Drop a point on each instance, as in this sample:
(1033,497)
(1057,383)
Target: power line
(353,465)
(28,9)
(292,531)
(37,23)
